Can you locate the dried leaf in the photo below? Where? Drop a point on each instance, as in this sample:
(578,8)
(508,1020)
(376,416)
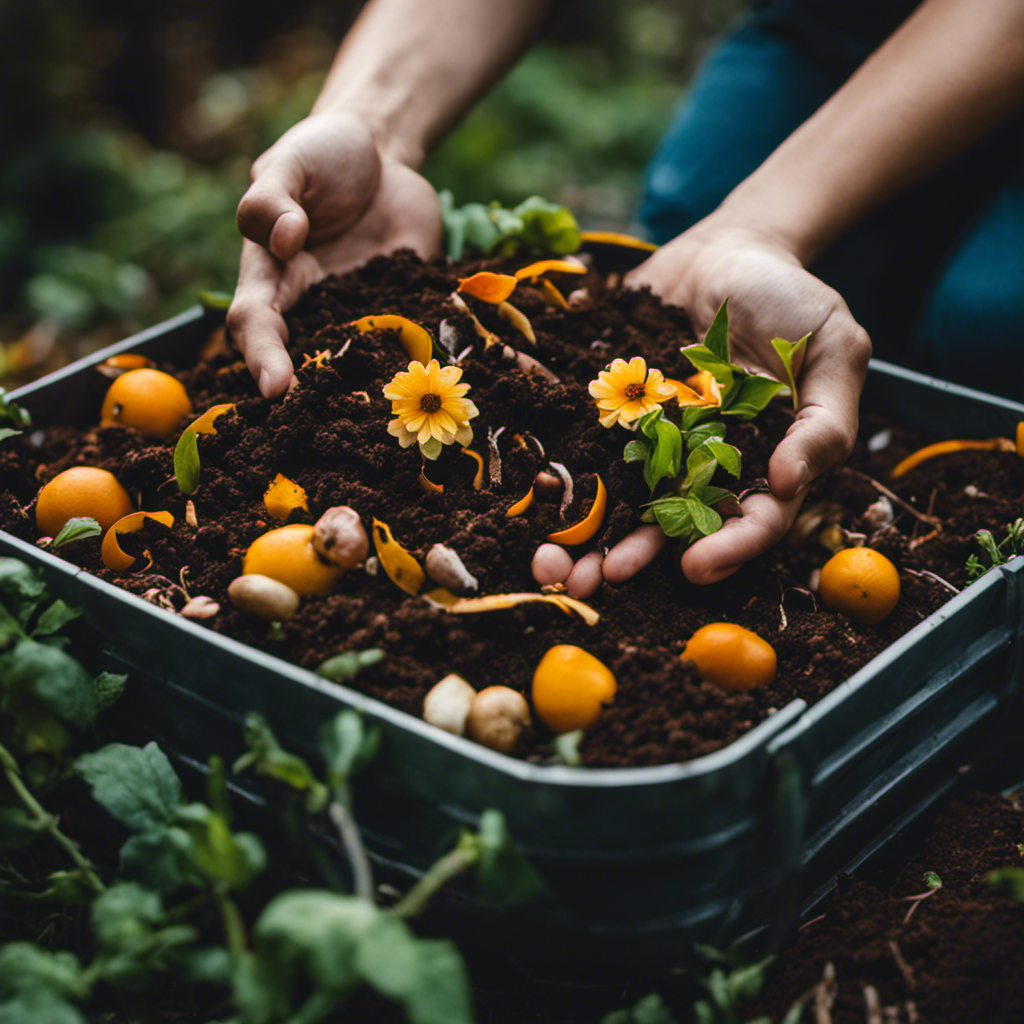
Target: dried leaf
(402,568)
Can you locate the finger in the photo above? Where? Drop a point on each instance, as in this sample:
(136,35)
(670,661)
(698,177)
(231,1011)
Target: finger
(551,564)
(829,390)
(269,212)
(633,553)
(764,522)
(255,322)
(586,576)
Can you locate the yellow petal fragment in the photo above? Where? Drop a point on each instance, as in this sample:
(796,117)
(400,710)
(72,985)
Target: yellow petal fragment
(584,530)
(403,570)
(500,602)
(488,287)
(442,596)
(615,238)
(204,423)
(478,479)
(518,319)
(110,551)
(991,444)
(282,496)
(535,270)
(551,294)
(428,486)
(416,340)
(521,505)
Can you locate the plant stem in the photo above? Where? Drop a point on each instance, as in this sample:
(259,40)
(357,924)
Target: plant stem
(48,822)
(234,927)
(450,866)
(352,841)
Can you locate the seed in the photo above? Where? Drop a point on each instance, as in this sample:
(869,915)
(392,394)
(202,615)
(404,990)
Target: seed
(446,568)
(262,596)
(202,608)
(339,536)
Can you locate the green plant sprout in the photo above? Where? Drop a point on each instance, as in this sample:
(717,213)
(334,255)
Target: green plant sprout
(787,351)
(992,553)
(493,230)
(16,415)
(76,528)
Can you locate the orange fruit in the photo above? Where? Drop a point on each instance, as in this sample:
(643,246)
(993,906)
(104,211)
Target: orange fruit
(570,688)
(730,656)
(81,491)
(150,400)
(287,555)
(114,557)
(860,583)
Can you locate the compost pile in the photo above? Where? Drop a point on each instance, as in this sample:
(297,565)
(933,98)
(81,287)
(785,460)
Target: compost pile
(330,436)
(957,956)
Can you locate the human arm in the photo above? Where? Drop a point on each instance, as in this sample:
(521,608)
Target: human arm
(342,185)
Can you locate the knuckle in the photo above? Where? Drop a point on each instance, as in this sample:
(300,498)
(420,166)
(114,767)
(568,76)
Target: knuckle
(860,347)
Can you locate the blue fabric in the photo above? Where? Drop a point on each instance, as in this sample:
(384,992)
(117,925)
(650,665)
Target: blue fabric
(931,275)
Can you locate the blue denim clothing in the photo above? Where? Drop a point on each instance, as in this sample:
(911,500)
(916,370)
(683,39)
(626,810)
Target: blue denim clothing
(932,275)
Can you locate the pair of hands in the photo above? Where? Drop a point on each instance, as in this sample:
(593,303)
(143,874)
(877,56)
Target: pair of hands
(324,199)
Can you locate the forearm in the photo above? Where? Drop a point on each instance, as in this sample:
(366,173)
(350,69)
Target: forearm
(951,72)
(410,68)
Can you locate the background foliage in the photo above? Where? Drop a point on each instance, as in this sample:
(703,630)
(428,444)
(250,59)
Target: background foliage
(128,131)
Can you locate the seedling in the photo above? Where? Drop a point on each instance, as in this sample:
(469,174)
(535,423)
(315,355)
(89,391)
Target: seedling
(16,415)
(934,883)
(787,351)
(993,553)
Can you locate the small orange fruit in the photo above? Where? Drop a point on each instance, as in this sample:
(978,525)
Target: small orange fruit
(860,583)
(81,491)
(150,400)
(731,657)
(570,688)
(287,555)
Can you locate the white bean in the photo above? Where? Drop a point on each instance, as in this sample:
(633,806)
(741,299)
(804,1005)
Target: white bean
(551,564)
(262,596)
(447,704)
(586,576)
(633,553)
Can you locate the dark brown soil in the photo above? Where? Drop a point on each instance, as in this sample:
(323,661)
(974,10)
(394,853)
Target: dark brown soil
(957,960)
(330,436)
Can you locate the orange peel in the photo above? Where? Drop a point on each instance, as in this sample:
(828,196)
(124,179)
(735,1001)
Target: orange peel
(416,340)
(616,238)
(499,602)
(428,486)
(478,479)
(1019,438)
(587,527)
(402,568)
(535,270)
(488,287)
(114,366)
(110,551)
(990,444)
(283,496)
(521,505)
(204,424)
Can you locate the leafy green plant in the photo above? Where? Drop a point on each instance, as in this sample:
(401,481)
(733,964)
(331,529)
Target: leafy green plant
(1008,882)
(787,351)
(77,528)
(493,230)
(993,553)
(16,415)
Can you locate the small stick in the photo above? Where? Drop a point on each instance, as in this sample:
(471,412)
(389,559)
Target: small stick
(934,576)
(916,902)
(872,1006)
(901,963)
(882,489)
(813,920)
(494,466)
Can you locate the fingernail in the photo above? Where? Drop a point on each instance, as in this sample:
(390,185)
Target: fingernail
(803,476)
(264,383)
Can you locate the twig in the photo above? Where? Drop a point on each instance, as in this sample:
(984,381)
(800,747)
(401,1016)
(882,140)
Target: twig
(450,866)
(48,822)
(934,576)
(352,841)
(813,920)
(872,1005)
(783,621)
(882,489)
(901,963)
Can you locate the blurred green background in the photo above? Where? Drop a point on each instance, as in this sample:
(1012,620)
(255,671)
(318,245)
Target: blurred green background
(128,130)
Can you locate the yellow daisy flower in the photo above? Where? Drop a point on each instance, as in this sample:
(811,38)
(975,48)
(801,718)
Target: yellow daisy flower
(430,405)
(626,392)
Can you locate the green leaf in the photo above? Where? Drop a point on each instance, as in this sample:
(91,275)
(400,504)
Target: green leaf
(6,432)
(69,887)
(673,516)
(207,845)
(186,462)
(667,456)
(431,449)
(711,495)
(11,412)
(705,520)
(728,455)
(267,757)
(52,677)
(700,468)
(932,880)
(704,432)
(697,414)
(152,858)
(717,338)
(705,359)
(348,746)
(137,785)
(504,876)
(38,1005)
(344,667)
(547,227)
(752,393)
(1008,882)
(215,300)
(108,687)
(18,581)
(54,617)
(567,747)
(25,968)
(493,230)
(636,450)
(745,983)
(124,915)
(17,828)
(786,351)
(77,528)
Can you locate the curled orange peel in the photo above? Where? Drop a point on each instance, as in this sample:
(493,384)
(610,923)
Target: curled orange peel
(416,340)
(442,596)
(535,270)
(990,444)
(1020,439)
(110,551)
(488,287)
(478,479)
(587,527)
(521,505)
(114,366)
(402,568)
(499,602)
(283,496)
(616,238)
(428,486)
(204,424)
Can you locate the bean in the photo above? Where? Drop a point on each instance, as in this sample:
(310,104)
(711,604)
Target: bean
(262,596)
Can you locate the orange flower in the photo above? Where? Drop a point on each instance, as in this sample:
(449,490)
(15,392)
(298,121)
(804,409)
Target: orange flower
(430,406)
(626,392)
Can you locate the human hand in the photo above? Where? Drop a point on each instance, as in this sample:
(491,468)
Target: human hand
(770,295)
(323,199)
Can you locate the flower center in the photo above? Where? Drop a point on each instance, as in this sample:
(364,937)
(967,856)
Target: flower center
(430,402)
(635,391)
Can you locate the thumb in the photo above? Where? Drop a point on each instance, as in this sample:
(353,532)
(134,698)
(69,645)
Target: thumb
(269,212)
